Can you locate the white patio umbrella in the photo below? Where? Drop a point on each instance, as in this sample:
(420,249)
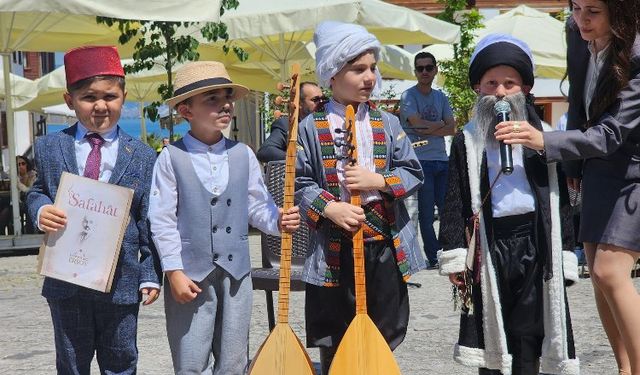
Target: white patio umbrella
(58,25)
(279,31)
(543,33)
(22,90)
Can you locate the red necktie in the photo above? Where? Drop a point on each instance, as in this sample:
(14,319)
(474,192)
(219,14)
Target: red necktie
(92,166)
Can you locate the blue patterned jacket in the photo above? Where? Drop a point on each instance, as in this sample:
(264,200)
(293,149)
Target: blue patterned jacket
(138,262)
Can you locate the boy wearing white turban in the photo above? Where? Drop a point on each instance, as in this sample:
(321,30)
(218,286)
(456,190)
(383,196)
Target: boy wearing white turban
(387,170)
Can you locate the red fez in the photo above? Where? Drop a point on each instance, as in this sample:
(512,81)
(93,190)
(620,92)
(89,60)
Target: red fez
(90,61)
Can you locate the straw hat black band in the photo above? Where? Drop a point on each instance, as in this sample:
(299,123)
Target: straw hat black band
(202,83)
(201,76)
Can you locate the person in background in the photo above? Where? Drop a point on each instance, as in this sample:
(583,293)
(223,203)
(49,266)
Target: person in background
(426,115)
(275,146)
(26,173)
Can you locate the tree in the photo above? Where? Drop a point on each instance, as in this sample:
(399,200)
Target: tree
(456,71)
(168,43)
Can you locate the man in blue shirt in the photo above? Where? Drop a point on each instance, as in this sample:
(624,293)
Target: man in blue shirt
(427,116)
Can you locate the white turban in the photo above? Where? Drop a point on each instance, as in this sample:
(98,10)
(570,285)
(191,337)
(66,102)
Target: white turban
(338,43)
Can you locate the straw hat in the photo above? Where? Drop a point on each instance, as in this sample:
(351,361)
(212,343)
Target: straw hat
(202,76)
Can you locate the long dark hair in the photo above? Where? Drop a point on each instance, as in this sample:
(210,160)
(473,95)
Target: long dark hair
(616,72)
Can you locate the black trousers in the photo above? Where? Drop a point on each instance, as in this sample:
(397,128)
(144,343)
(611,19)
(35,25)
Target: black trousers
(330,310)
(519,269)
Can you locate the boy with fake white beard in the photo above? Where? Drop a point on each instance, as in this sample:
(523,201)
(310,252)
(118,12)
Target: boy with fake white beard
(502,235)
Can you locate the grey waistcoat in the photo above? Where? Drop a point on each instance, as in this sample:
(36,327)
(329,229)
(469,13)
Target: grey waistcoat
(213,230)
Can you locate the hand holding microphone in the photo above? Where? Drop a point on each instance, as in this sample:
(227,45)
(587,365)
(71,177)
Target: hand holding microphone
(502,110)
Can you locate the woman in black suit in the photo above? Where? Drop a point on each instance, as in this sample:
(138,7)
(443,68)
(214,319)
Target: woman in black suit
(604,113)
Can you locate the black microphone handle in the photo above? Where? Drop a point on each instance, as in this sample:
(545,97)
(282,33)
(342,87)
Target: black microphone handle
(506,158)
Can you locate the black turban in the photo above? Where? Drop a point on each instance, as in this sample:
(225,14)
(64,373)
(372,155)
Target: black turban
(500,53)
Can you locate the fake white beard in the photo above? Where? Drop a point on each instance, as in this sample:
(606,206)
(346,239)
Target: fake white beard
(485,119)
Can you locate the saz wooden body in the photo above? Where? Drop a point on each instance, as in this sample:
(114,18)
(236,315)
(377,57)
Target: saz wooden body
(363,350)
(282,353)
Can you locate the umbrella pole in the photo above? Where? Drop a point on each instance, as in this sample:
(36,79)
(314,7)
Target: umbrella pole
(13,171)
(143,123)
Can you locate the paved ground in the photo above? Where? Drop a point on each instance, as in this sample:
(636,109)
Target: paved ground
(26,342)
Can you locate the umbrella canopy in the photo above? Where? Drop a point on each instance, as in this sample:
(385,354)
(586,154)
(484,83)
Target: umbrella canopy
(22,90)
(543,33)
(279,31)
(58,25)
(142,86)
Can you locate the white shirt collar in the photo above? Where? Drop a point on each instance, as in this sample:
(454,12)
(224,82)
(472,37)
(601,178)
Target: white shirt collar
(599,56)
(193,144)
(108,137)
(340,109)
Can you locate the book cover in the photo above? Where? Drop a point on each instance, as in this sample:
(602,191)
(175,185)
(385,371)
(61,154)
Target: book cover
(85,252)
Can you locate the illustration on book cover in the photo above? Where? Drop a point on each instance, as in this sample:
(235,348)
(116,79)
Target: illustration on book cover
(85,252)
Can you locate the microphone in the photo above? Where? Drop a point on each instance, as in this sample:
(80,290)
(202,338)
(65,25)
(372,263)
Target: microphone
(502,110)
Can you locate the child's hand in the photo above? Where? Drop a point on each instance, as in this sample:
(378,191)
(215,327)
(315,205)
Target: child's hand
(51,219)
(457,279)
(290,221)
(345,215)
(359,178)
(152,295)
(183,289)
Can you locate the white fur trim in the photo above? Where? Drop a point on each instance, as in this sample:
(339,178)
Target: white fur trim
(475,357)
(554,344)
(566,367)
(570,266)
(452,261)
(495,338)
(554,347)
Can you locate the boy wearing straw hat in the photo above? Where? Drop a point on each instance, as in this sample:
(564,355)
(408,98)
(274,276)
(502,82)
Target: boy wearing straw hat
(386,172)
(86,321)
(206,191)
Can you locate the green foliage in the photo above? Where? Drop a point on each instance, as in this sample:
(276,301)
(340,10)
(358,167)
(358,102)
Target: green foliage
(456,71)
(155,141)
(388,101)
(562,15)
(168,43)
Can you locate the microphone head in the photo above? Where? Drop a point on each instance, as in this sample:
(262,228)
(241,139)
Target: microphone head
(502,106)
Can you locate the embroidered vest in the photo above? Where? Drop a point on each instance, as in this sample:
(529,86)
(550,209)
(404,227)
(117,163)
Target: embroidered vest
(379,218)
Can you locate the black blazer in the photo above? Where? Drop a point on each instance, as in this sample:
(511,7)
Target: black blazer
(615,138)
(275,146)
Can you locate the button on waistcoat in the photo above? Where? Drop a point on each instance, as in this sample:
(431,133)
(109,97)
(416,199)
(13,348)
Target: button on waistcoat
(213,229)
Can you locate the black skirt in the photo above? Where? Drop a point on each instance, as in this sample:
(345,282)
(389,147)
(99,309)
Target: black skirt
(610,206)
(330,310)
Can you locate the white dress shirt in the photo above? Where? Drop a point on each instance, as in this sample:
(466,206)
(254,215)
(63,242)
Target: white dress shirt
(108,151)
(211,163)
(335,113)
(512,194)
(596,61)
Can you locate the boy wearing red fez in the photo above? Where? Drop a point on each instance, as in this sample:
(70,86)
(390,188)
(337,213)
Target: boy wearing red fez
(86,321)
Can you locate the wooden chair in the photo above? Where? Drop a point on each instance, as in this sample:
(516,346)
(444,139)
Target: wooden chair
(267,277)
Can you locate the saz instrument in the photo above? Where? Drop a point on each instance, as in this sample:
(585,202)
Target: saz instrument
(282,353)
(363,350)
